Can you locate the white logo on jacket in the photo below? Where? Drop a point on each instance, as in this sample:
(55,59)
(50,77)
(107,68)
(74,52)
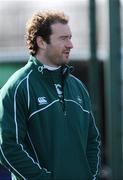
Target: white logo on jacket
(42,100)
(58,89)
(79,100)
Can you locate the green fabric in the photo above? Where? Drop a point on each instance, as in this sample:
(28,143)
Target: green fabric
(43,135)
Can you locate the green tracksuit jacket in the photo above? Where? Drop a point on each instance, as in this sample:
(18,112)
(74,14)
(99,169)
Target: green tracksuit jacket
(47,129)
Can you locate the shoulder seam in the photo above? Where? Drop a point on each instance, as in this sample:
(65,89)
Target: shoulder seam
(81,84)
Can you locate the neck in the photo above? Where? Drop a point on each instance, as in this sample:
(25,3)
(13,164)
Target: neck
(44,61)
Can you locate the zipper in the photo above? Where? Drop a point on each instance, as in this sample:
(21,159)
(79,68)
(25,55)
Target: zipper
(60,96)
(63,106)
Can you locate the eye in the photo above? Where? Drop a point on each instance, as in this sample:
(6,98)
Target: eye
(63,37)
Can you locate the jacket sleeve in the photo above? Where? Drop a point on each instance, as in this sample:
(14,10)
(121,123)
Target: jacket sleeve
(93,147)
(13,129)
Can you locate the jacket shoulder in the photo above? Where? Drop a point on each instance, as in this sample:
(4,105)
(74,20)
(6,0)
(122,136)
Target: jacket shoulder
(16,79)
(82,91)
(79,84)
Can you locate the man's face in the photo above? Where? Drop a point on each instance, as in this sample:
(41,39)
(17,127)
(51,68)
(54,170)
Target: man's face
(57,52)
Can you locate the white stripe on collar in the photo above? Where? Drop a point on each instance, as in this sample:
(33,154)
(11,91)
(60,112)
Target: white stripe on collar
(50,67)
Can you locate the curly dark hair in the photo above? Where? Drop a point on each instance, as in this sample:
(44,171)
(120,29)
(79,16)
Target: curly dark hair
(40,25)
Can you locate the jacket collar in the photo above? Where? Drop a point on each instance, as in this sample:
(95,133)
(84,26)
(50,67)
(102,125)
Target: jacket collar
(65,70)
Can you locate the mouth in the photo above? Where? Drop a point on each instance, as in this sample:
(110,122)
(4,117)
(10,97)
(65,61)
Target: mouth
(66,53)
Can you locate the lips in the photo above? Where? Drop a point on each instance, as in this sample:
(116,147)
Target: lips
(66,52)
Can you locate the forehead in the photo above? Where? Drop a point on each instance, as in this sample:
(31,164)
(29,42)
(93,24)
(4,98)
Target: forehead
(60,29)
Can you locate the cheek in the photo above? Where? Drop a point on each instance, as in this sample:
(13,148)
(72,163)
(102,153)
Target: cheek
(58,49)
(54,52)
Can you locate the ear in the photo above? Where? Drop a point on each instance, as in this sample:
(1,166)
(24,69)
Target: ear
(40,42)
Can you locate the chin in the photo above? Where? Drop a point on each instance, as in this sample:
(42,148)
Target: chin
(63,61)
(66,61)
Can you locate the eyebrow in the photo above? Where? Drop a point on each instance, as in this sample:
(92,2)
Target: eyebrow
(66,36)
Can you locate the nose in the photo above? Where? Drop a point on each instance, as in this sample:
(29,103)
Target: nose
(69,44)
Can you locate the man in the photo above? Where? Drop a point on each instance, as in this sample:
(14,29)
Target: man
(47,129)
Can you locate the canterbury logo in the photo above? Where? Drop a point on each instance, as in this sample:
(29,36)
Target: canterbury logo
(42,100)
(58,89)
